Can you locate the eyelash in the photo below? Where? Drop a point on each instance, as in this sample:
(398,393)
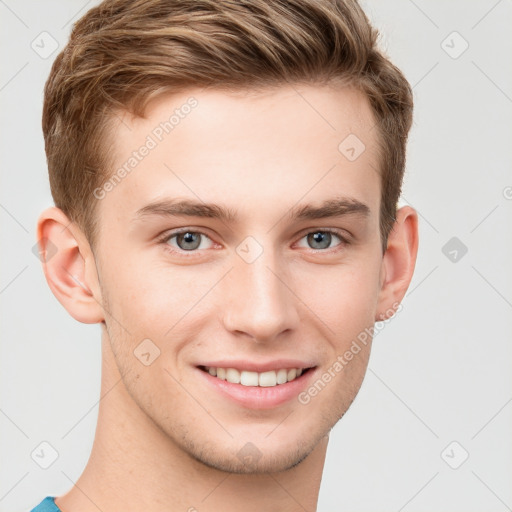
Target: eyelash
(166,237)
(188,254)
(343,240)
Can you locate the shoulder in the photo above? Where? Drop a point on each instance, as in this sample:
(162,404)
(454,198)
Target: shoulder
(47,505)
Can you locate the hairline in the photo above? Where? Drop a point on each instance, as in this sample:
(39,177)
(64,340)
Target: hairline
(107,129)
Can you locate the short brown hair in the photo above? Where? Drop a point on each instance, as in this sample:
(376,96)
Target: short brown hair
(123,52)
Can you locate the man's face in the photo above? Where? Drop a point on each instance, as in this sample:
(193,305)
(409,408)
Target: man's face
(274,283)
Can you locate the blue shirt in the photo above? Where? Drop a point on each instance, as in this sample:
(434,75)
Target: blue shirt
(47,505)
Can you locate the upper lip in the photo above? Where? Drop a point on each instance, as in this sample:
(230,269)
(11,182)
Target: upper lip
(252,366)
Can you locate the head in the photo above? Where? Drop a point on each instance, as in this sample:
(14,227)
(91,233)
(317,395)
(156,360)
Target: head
(232,122)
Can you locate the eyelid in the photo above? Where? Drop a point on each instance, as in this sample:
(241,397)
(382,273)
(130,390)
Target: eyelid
(167,235)
(345,239)
(341,234)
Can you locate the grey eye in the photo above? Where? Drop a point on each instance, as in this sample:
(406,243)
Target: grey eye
(188,241)
(319,240)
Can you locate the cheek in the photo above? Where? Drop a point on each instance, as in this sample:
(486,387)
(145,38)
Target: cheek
(150,297)
(344,297)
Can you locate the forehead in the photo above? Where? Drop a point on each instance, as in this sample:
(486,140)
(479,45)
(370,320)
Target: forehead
(246,148)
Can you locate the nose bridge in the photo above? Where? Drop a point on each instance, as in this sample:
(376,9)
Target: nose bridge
(259,304)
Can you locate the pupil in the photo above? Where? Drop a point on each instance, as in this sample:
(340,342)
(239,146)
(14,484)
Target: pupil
(319,240)
(188,241)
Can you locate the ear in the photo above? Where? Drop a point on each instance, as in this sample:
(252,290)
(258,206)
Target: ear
(398,262)
(69,266)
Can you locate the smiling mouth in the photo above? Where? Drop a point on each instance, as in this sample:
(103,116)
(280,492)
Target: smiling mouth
(255,379)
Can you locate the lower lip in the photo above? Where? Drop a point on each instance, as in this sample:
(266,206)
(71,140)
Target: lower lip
(256,397)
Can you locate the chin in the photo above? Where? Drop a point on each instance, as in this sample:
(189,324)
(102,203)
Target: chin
(255,458)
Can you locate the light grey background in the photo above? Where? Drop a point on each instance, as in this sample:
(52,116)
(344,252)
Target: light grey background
(439,372)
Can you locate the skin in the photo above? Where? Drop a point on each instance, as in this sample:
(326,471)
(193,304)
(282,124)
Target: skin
(165,440)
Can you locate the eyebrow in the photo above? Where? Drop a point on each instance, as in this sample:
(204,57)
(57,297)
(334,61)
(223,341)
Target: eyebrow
(338,207)
(187,208)
(331,208)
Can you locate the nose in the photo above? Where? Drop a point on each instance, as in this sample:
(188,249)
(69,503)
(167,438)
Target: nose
(259,303)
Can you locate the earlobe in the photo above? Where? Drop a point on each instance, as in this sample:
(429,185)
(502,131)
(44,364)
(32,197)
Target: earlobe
(398,262)
(69,266)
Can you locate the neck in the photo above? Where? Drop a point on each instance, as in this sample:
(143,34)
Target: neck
(134,466)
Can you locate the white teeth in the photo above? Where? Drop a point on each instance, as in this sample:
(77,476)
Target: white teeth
(249,378)
(292,374)
(246,378)
(267,379)
(232,376)
(282,376)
